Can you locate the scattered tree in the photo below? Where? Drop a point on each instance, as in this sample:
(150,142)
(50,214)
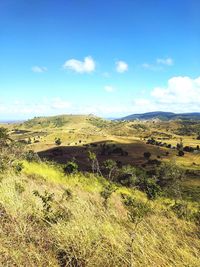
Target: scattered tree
(58,141)
(147,155)
(110,165)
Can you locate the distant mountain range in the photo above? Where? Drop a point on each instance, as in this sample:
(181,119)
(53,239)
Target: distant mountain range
(10,121)
(163,116)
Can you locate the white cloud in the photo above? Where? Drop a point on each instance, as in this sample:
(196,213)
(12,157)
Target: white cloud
(165,61)
(28,108)
(152,67)
(179,90)
(182,94)
(38,69)
(159,64)
(58,103)
(85,66)
(121,66)
(109,88)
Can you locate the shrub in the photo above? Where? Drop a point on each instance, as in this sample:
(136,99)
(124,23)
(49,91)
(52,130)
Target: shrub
(128,200)
(150,187)
(181,209)
(110,166)
(106,193)
(31,156)
(181,153)
(147,155)
(4,136)
(18,167)
(169,177)
(52,215)
(71,167)
(127,176)
(58,141)
(137,211)
(67,194)
(188,149)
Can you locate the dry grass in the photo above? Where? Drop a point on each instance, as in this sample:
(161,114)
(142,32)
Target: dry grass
(88,234)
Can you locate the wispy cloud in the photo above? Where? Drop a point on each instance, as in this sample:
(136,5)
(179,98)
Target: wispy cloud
(158,64)
(109,88)
(39,69)
(58,103)
(43,107)
(106,74)
(85,66)
(152,67)
(121,66)
(165,61)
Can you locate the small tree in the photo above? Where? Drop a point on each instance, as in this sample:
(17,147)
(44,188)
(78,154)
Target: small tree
(179,146)
(31,156)
(4,136)
(181,153)
(127,176)
(58,141)
(110,165)
(169,177)
(71,167)
(95,163)
(147,155)
(106,193)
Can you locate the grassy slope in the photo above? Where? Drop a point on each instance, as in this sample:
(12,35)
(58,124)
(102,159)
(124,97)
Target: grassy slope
(92,235)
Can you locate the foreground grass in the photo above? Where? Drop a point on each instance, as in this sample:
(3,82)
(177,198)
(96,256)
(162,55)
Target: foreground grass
(79,230)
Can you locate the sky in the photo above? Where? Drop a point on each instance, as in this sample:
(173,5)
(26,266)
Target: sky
(108,58)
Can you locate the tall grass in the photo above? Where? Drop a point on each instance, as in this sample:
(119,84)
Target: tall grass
(88,233)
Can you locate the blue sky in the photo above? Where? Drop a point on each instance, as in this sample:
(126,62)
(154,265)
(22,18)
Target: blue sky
(110,58)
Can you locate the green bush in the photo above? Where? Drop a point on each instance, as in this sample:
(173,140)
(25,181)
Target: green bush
(52,213)
(58,141)
(169,177)
(127,176)
(150,187)
(110,166)
(31,156)
(107,192)
(71,167)
(18,167)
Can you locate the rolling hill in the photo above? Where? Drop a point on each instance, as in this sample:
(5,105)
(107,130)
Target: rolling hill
(162,116)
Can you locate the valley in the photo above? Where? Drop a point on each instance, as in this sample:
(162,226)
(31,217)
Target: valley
(123,141)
